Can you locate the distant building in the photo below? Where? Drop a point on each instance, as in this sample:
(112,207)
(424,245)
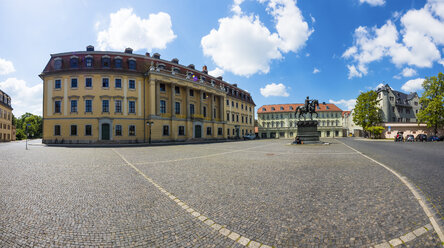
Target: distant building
(399,113)
(349,127)
(7,130)
(280,121)
(397,106)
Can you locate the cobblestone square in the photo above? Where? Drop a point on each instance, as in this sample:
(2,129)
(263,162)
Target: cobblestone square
(263,193)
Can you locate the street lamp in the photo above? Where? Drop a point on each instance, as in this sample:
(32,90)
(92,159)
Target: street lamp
(149,124)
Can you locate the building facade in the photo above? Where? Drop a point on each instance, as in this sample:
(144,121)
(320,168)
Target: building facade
(7,130)
(350,128)
(280,121)
(397,106)
(120,97)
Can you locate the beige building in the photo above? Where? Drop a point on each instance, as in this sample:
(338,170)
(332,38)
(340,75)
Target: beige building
(280,121)
(350,128)
(7,130)
(120,97)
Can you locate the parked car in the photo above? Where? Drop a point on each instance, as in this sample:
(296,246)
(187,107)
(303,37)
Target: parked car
(421,137)
(441,138)
(399,137)
(249,136)
(410,138)
(433,138)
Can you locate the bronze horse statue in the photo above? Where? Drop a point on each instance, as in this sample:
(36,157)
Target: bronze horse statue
(308,108)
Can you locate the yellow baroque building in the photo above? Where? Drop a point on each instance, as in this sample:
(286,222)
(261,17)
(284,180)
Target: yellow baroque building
(120,97)
(7,130)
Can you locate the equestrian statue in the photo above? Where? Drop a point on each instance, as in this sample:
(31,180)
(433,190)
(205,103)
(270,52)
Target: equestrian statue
(308,108)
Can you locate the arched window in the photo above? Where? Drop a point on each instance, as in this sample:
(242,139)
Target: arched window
(74,62)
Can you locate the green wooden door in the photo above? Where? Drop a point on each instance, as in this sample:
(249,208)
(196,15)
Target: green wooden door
(105,131)
(197,131)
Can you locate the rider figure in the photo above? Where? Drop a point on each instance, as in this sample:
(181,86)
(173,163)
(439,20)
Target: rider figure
(307,104)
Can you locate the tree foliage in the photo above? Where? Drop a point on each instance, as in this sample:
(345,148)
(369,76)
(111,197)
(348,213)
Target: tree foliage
(35,127)
(367,113)
(432,102)
(376,131)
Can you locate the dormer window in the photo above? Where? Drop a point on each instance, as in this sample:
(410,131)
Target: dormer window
(118,62)
(272,108)
(263,109)
(161,66)
(106,61)
(291,107)
(327,107)
(58,63)
(202,78)
(131,63)
(89,61)
(74,62)
(176,70)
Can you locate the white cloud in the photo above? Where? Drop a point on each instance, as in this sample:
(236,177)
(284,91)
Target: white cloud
(242,44)
(353,72)
(408,72)
(24,98)
(126,29)
(274,90)
(316,70)
(344,104)
(414,45)
(373,2)
(216,72)
(6,67)
(413,85)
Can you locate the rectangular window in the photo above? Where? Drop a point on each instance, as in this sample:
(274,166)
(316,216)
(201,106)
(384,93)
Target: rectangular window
(205,111)
(232,117)
(228,102)
(132,107)
(208,130)
(88,130)
(214,113)
(242,119)
(191,92)
(237,118)
(57,130)
(105,82)
(118,130)
(162,87)
(73,130)
(73,106)
(242,106)
(73,82)
(58,84)
(118,106)
(88,106)
(191,109)
(57,106)
(228,117)
(118,83)
(181,130)
(177,108)
(106,62)
(204,96)
(132,130)
(162,106)
(132,84)
(177,90)
(105,106)
(232,103)
(118,63)
(88,82)
(228,131)
(219,131)
(132,64)
(166,130)
(237,105)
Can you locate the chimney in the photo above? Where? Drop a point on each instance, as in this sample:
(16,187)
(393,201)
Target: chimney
(235,85)
(220,78)
(191,66)
(156,56)
(147,54)
(175,61)
(204,69)
(128,50)
(90,48)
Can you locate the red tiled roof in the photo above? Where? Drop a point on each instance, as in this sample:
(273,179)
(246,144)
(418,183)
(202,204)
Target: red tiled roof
(287,108)
(345,113)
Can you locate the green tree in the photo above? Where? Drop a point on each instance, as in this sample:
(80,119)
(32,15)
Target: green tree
(35,127)
(367,113)
(432,102)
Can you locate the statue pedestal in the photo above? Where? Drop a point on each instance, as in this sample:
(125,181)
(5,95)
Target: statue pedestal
(308,132)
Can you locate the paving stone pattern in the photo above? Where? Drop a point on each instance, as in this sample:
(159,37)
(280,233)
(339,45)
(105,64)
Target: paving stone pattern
(266,191)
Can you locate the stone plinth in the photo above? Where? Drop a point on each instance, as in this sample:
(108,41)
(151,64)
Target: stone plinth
(308,132)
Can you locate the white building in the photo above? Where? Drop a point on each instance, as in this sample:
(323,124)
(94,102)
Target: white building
(280,121)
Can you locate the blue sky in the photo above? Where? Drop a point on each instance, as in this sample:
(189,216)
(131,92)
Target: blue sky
(279,50)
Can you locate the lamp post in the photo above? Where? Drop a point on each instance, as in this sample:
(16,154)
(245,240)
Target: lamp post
(149,124)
